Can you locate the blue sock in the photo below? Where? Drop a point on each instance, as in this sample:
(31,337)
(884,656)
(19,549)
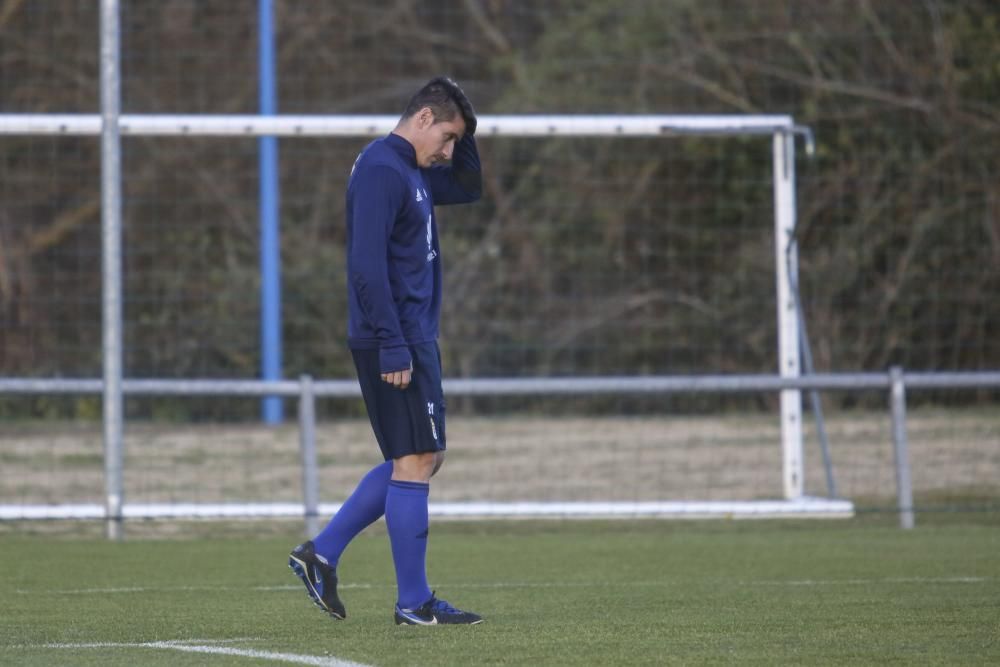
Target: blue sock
(363,508)
(406,518)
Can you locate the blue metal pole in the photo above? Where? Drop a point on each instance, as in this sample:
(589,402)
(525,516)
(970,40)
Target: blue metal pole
(270,240)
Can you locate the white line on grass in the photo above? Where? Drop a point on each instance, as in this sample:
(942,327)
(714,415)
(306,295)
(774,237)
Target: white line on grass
(525,584)
(177,589)
(203,646)
(865,582)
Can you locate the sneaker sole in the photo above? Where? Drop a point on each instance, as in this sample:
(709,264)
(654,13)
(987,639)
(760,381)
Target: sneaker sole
(402,620)
(298,567)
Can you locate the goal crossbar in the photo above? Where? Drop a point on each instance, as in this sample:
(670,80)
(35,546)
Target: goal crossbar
(530,125)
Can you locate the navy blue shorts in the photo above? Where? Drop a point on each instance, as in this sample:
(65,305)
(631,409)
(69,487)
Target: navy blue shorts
(405,421)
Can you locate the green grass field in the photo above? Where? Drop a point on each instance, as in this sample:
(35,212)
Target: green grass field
(553,593)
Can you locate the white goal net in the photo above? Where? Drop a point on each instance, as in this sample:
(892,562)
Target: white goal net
(542,450)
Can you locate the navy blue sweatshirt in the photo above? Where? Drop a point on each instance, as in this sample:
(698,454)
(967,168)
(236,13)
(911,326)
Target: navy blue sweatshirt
(393,255)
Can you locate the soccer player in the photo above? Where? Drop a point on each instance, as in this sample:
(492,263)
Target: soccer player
(394,297)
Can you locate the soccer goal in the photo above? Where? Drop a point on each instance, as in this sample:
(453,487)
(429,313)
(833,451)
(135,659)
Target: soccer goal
(579,491)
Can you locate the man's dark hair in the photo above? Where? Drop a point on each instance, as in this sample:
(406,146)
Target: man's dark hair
(445,99)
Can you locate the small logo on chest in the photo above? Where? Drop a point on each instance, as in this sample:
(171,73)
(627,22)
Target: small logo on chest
(421,194)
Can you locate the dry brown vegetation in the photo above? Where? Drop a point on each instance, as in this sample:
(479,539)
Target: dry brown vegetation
(955,457)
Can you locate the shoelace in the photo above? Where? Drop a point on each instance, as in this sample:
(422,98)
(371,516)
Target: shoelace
(442,606)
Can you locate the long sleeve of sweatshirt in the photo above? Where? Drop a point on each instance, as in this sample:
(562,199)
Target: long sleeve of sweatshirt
(393,252)
(461,182)
(374,207)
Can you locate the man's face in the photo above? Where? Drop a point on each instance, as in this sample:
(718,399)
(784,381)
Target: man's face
(434,142)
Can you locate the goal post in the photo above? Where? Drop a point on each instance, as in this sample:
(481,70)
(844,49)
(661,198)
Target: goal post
(789,344)
(781,128)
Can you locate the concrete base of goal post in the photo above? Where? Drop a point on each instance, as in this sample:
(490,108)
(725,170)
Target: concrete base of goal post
(904,486)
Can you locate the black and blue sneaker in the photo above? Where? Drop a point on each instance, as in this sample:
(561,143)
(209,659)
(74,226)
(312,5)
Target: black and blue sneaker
(436,612)
(319,577)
